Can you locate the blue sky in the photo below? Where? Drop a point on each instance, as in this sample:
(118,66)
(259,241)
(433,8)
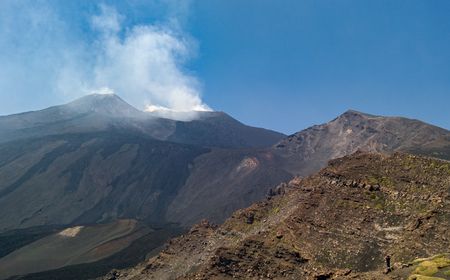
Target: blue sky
(283,65)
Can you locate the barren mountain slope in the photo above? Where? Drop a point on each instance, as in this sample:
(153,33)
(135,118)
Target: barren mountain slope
(222,181)
(99,112)
(88,178)
(302,153)
(72,246)
(98,158)
(309,150)
(217,129)
(337,224)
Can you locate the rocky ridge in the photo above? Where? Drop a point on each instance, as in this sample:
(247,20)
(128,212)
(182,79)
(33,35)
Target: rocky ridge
(310,149)
(337,224)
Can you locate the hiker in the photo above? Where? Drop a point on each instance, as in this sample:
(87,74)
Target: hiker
(388,263)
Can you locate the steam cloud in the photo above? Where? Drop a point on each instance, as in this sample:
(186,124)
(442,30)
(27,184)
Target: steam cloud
(144,63)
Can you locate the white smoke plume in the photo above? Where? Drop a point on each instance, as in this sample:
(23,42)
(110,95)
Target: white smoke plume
(144,64)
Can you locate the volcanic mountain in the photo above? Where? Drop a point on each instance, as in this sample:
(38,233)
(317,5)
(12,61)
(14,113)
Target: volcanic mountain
(98,160)
(104,112)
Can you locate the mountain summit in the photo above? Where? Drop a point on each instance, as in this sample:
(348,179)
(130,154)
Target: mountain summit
(105,104)
(311,148)
(104,112)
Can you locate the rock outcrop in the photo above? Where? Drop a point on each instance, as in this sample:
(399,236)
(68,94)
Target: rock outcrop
(340,223)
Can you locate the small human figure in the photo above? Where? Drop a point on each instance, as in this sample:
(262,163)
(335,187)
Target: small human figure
(250,218)
(388,263)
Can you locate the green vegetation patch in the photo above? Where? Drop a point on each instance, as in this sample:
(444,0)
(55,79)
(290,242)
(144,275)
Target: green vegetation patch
(372,180)
(421,277)
(428,267)
(384,181)
(275,210)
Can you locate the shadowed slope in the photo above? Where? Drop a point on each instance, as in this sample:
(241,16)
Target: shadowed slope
(80,244)
(90,178)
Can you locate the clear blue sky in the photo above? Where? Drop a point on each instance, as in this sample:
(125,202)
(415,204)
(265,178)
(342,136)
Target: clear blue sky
(283,65)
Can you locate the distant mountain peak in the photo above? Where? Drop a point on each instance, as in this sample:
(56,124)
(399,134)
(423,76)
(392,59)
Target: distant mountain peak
(107,104)
(354,113)
(96,97)
(353,117)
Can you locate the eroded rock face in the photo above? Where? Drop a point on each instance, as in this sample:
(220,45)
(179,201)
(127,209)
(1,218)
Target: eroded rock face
(310,149)
(333,225)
